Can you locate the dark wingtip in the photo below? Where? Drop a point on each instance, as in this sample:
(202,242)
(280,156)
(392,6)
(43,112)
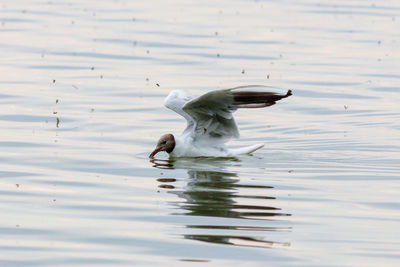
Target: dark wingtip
(249,99)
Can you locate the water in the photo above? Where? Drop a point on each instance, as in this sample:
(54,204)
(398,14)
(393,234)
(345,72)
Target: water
(82,88)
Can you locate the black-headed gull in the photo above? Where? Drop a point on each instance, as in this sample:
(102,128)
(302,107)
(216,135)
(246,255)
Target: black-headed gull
(210,122)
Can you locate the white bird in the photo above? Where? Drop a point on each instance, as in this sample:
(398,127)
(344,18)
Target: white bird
(210,122)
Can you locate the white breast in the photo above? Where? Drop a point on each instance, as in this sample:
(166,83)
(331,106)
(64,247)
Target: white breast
(185,146)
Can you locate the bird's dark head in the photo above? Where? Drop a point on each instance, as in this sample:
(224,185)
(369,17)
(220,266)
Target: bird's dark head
(166,143)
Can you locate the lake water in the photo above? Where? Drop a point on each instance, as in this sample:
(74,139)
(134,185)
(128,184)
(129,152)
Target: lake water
(82,89)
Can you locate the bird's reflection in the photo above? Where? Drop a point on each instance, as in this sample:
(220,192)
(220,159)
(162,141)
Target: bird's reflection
(244,210)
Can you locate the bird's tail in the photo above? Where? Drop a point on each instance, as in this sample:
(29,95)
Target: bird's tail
(245,150)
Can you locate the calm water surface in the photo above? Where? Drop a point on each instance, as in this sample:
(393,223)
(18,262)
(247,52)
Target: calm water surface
(82,88)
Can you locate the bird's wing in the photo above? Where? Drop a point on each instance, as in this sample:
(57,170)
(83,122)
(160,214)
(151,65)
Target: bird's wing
(212,112)
(175,101)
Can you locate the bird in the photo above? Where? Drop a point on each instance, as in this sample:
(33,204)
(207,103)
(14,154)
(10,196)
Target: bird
(210,121)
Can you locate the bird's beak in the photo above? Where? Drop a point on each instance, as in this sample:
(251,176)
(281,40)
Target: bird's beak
(155,152)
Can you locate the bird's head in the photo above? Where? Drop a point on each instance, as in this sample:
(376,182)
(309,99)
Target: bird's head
(166,143)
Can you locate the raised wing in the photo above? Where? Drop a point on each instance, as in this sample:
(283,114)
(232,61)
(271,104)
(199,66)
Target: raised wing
(213,112)
(175,101)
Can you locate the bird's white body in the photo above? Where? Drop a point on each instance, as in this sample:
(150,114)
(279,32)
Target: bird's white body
(210,122)
(186,146)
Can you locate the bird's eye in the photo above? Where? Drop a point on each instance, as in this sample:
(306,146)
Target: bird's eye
(164,142)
